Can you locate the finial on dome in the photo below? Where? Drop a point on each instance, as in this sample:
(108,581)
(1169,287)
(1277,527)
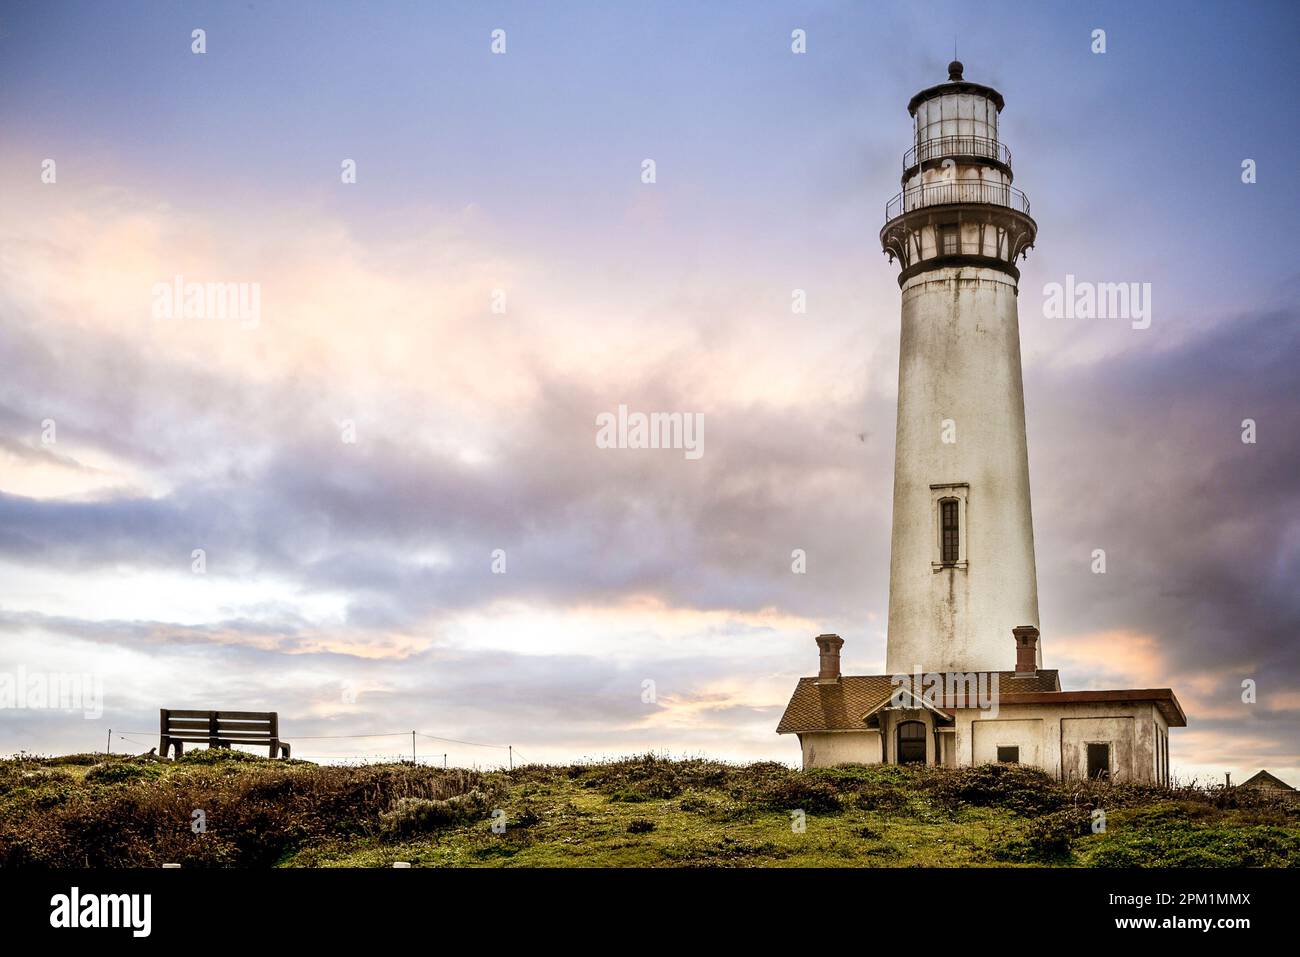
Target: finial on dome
(954,70)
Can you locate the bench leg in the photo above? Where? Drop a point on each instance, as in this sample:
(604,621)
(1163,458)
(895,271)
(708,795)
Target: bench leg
(274,747)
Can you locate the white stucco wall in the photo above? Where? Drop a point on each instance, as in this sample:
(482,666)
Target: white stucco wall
(1064,730)
(987,735)
(1050,736)
(1116,731)
(1160,759)
(828,748)
(959,359)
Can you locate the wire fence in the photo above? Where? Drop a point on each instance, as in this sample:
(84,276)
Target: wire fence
(511,756)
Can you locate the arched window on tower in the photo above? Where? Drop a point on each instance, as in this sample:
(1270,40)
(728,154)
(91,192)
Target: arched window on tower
(948,525)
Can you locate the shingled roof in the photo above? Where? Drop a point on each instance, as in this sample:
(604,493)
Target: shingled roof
(1265,780)
(844,704)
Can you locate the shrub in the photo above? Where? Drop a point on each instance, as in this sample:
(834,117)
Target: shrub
(1017,787)
(629,796)
(697,803)
(253,816)
(527,816)
(640,825)
(120,772)
(878,797)
(811,794)
(855,777)
(1177,845)
(1049,837)
(208,756)
(1112,794)
(652,778)
(418,815)
(84,760)
(641,779)
(1168,812)
(28,791)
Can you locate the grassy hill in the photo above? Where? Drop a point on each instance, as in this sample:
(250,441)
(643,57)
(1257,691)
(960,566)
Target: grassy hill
(88,810)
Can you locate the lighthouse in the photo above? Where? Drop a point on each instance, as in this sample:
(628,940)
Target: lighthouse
(962,572)
(963,593)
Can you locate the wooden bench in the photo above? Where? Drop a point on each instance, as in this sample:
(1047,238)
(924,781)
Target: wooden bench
(219,729)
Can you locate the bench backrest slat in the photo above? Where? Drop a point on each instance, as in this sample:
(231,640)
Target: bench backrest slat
(224,724)
(220,728)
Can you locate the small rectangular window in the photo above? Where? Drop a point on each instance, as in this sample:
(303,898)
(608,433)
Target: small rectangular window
(1008,755)
(948,522)
(1099,762)
(949,238)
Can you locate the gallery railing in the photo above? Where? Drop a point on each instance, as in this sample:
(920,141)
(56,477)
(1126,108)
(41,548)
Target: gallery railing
(958,145)
(956,191)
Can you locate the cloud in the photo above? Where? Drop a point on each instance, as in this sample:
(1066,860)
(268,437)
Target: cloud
(368,564)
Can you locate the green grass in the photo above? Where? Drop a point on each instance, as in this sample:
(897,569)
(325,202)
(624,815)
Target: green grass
(584,829)
(640,812)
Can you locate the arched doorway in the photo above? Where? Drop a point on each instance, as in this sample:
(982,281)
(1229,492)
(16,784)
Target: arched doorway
(911,742)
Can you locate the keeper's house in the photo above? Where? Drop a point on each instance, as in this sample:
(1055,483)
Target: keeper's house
(1018,716)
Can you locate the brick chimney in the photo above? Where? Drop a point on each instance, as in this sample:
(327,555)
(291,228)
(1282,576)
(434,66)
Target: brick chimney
(1026,649)
(829,657)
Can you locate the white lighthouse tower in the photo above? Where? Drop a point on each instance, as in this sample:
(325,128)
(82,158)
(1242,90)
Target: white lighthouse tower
(963,594)
(962,570)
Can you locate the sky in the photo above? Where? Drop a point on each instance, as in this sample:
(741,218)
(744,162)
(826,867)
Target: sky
(389,466)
